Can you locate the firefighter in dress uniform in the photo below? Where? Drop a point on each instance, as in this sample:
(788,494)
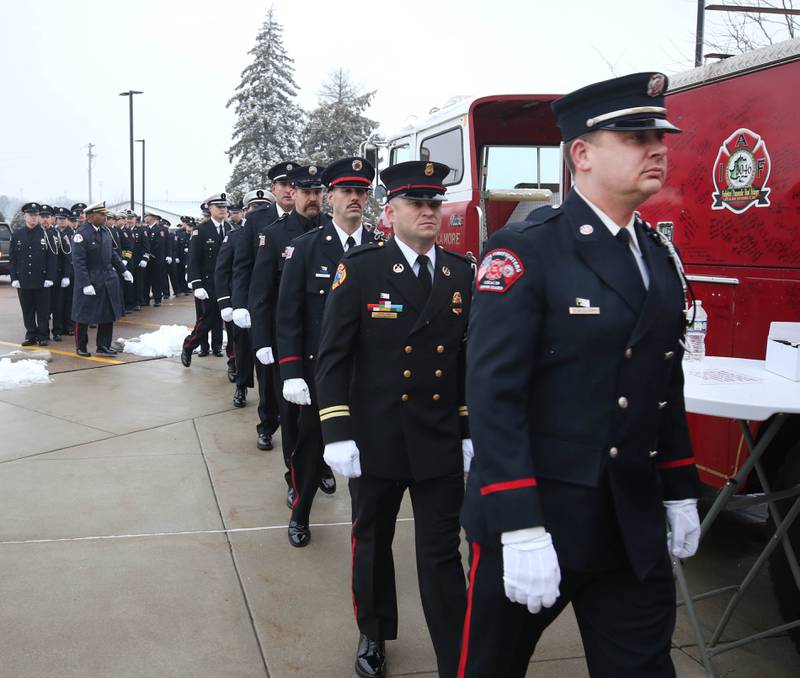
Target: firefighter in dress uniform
(33,268)
(390,378)
(204,247)
(62,298)
(97,297)
(182,254)
(575,389)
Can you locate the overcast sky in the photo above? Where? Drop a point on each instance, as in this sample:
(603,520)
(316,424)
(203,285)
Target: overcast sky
(64,64)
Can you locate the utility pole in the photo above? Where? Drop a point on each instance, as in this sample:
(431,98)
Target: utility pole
(699,37)
(130,94)
(141,141)
(91,157)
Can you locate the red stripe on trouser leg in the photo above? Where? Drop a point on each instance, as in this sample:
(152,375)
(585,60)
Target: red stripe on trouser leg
(476,559)
(76,335)
(353,569)
(294,486)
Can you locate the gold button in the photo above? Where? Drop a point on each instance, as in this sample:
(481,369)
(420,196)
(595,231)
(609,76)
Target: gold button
(404,397)
(440,349)
(628,352)
(613,452)
(407,374)
(436,396)
(408,349)
(438,373)
(623,402)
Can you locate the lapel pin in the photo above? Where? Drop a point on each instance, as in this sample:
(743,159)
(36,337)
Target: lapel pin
(328,237)
(446,271)
(398,268)
(586,229)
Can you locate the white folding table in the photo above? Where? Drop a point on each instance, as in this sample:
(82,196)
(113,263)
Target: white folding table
(743,390)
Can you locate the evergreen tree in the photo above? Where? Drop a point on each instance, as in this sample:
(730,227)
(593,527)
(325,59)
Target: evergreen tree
(269,122)
(337,126)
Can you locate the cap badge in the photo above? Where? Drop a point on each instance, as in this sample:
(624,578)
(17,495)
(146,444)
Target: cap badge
(222,196)
(655,88)
(312,170)
(398,268)
(259,193)
(428,169)
(586,229)
(289,167)
(357,165)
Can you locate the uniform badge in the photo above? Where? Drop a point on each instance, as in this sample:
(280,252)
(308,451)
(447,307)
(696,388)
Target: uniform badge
(78,238)
(162,234)
(287,253)
(655,87)
(340,277)
(41,242)
(428,169)
(195,232)
(385,308)
(586,229)
(225,239)
(498,271)
(322,273)
(262,240)
(446,271)
(398,268)
(455,304)
(357,165)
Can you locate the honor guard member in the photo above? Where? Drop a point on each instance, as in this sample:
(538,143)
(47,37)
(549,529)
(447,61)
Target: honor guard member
(33,269)
(156,270)
(575,387)
(62,298)
(97,297)
(182,253)
(127,243)
(390,377)
(78,210)
(310,263)
(169,257)
(66,236)
(271,252)
(204,246)
(238,338)
(258,219)
(236,215)
(140,257)
(48,221)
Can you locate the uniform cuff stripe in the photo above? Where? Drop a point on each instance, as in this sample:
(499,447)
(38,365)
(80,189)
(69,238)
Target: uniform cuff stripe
(335,408)
(289,359)
(331,415)
(678,463)
(510,485)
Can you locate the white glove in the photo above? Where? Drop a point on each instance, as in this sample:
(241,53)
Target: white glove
(127,275)
(241,318)
(344,458)
(168,260)
(64,282)
(468,451)
(684,523)
(89,291)
(264,356)
(48,283)
(530,568)
(227,314)
(125,263)
(296,391)
(201,294)
(143,263)
(15,284)
(177,261)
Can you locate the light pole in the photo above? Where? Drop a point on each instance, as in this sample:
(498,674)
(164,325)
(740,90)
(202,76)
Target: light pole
(130,94)
(141,141)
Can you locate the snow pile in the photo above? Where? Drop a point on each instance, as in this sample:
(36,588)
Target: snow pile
(22,373)
(166,342)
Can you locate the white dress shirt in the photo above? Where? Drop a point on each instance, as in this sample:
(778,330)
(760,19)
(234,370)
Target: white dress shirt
(614,229)
(343,235)
(218,226)
(411,257)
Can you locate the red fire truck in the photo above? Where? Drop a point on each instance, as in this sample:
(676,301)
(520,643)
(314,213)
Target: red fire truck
(731,205)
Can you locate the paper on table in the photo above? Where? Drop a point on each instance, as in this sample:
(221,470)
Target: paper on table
(716,376)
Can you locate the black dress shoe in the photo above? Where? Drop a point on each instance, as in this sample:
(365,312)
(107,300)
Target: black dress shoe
(299,534)
(218,353)
(290,497)
(370,657)
(137,308)
(56,337)
(29,342)
(203,353)
(186,358)
(240,396)
(43,342)
(232,374)
(264,441)
(106,350)
(157,304)
(70,333)
(327,483)
(83,353)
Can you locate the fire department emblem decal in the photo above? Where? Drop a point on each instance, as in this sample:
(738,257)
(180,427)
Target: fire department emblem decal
(498,271)
(740,173)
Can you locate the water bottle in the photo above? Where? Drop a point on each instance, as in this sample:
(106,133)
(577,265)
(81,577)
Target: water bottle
(696,332)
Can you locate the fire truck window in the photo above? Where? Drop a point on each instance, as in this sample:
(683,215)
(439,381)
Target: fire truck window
(523,167)
(446,147)
(400,154)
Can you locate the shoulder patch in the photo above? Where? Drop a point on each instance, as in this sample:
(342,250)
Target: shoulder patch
(499,270)
(78,238)
(340,277)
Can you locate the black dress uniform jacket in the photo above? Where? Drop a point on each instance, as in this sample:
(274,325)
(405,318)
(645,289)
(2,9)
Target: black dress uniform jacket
(255,222)
(393,380)
(305,284)
(66,245)
(575,390)
(32,260)
(204,246)
(96,263)
(223,273)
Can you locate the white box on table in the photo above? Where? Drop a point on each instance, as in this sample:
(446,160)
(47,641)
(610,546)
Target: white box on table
(783,350)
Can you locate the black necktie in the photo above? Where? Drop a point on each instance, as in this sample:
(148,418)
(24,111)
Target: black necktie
(350,242)
(424,275)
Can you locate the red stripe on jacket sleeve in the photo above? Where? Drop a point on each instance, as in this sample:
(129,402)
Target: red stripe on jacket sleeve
(289,359)
(510,485)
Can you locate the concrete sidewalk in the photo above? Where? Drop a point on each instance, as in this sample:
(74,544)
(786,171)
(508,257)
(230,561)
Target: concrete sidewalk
(143,534)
